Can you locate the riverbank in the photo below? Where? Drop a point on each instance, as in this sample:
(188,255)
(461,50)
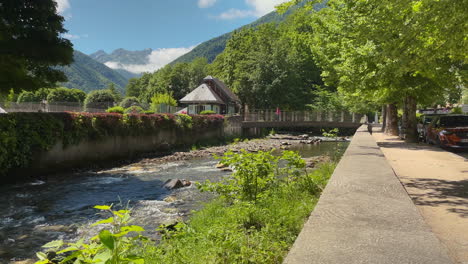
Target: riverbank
(60,206)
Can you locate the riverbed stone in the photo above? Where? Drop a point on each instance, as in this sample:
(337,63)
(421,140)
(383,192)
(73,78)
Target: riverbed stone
(176,184)
(221,165)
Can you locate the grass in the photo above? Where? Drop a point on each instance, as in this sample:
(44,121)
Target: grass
(243,232)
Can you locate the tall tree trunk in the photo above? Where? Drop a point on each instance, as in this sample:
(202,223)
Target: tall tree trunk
(391,127)
(411,122)
(384,117)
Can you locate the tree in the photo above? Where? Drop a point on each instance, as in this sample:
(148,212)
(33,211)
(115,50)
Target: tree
(133,88)
(402,52)
(266,68)
(63,94)
(27,97)
(31,43)
(114,92)
(101,99)
(130,101)
(160,101)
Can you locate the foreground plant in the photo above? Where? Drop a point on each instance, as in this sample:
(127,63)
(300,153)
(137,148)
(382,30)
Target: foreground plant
(111,246)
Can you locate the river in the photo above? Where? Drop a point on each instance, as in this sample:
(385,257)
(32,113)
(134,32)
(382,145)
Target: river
(34,213)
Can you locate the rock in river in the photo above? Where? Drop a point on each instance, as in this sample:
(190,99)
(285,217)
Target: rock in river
(176,184)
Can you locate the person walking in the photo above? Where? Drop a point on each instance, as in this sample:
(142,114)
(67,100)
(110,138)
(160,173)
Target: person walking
(369,128)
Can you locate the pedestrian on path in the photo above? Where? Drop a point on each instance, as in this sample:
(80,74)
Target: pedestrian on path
(369,128)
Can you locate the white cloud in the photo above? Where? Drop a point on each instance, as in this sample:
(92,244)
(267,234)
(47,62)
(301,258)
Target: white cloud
(258,8)
(62,5)
(263,7)
(236,13)
(206,3)
(72,36)
(157,59)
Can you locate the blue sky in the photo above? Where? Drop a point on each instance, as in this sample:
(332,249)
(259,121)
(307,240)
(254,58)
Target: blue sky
(158,24)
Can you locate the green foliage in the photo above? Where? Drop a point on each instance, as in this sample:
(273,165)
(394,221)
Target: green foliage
(117,95)
(207,112)
(333,133)
(116,109)
(239,231)
(27,97)
(255,174)
(226,230)
(102,99)
(266,68)
(23,136)
(457,110)
(88,75)
(130,101)
(161,101)
(184,121)
(66,95)
(116,243)
(134,110)
(24,66)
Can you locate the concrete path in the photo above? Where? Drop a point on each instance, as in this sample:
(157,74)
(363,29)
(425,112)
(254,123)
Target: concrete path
(437,181)
(366,216)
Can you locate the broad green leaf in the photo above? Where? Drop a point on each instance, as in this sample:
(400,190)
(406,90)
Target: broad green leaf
(53,244)
(132,228)
(107,239)
(102,207)
(41,255)
(102,257)
(105,221)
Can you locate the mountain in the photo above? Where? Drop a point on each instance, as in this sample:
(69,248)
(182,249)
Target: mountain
(87,74)
(123,56)
(213,47)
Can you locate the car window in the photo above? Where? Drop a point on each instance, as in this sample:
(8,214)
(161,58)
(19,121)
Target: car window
(454,121)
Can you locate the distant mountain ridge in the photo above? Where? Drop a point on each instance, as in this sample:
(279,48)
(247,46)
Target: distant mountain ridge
(87,74)
(213,47)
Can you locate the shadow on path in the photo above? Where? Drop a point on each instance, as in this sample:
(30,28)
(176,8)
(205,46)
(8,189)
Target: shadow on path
(441,192)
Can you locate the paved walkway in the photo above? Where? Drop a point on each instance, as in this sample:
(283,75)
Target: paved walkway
(366,216)
(437,181)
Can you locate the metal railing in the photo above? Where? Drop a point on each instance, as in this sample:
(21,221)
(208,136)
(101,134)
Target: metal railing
(303,116)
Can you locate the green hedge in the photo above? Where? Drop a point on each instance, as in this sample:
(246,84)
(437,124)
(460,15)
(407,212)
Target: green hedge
(24,135)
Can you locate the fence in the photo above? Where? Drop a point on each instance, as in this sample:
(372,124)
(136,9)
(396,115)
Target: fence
(68,107)
(303,116)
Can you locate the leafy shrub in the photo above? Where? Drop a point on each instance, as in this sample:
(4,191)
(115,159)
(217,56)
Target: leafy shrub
(101,99)
(27,97)
(184,121)
(160,102)
(111,245)
(457,110)
(66,95)
(207,112)
(229,229)
(116,109)
(134,110)
(130,101)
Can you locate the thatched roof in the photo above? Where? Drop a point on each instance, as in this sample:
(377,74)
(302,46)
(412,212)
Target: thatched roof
(203,94)
(224,88)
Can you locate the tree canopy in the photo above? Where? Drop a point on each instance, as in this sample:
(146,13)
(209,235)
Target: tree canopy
(31,44)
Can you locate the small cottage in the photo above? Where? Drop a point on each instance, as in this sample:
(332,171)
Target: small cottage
(212,95)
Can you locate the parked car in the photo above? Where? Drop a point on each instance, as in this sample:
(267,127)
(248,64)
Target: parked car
(450,131)
(422,126)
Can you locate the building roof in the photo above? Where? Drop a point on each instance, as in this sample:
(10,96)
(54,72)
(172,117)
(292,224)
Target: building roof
(203,94)
(224,88)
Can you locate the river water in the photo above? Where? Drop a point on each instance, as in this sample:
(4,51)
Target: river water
(34,213)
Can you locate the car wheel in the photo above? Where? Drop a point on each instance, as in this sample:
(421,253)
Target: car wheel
(428,140)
